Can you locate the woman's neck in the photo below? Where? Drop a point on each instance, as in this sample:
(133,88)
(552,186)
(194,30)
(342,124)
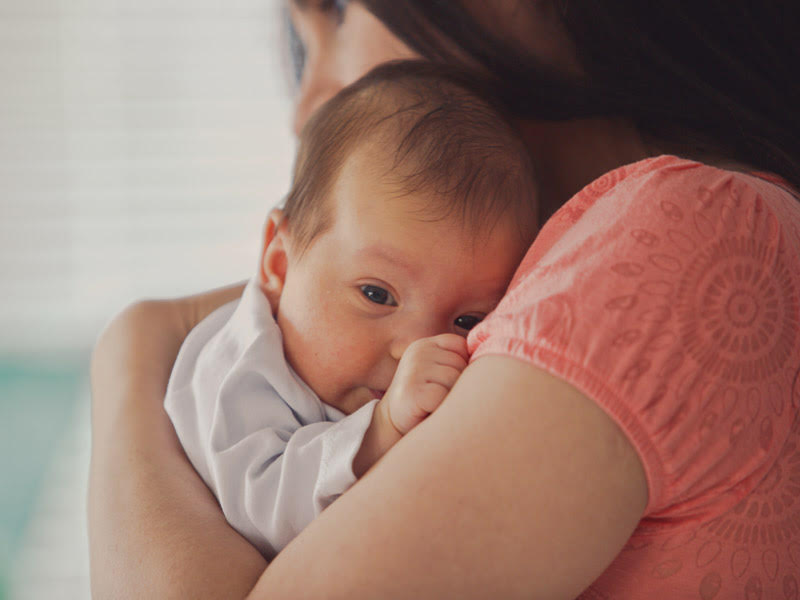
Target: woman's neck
(569,155)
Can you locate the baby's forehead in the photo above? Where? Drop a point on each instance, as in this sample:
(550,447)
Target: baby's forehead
(369,183)
(367,205)
(371,177)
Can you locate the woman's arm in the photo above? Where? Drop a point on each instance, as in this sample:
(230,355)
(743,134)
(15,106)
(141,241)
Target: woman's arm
(518,486)
(155,529)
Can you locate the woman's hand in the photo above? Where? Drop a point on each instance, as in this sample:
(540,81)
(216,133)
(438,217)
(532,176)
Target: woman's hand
(155,530)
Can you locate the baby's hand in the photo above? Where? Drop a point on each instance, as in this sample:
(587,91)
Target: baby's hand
(428,369)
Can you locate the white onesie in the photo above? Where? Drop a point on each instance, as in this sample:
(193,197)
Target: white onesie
(270,450)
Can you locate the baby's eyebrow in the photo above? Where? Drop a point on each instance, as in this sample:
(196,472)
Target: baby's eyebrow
(389,255)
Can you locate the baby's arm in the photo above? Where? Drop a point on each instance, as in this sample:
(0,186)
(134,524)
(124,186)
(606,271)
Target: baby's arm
(428,369)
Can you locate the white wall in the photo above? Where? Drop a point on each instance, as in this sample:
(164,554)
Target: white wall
(141,144)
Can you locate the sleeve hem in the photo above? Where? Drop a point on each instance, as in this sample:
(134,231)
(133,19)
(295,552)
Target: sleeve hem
(346,438)
(595,389)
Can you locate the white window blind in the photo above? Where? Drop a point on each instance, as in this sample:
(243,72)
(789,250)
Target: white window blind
(142,143)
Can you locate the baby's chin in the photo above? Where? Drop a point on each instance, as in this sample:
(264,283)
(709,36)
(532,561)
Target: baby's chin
(354,398)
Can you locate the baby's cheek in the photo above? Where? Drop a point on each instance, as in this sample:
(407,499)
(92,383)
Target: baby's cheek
(349,357)
(303,351)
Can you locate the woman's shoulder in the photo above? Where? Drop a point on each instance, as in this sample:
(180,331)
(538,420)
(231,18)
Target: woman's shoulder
(672,187)
(665,207)
(669,293)
(662,239)
(662,289)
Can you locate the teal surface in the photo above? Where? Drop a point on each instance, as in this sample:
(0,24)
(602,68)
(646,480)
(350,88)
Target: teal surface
(37,400)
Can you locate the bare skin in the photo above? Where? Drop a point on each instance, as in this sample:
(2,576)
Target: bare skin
(339,48)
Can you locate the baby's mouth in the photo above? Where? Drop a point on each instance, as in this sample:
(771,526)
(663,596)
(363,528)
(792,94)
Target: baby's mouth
(377,393)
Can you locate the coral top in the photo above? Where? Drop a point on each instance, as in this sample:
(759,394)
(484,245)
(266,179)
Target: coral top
(668,292)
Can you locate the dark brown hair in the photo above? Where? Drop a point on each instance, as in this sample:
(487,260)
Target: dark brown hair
(443,135)
(710,76)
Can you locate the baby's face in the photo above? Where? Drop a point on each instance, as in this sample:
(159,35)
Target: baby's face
(379,278)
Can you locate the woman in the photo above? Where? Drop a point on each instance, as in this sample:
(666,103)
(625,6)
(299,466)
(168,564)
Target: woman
(628,426)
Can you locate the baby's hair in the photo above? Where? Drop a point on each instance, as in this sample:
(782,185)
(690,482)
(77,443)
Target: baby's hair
(443,134)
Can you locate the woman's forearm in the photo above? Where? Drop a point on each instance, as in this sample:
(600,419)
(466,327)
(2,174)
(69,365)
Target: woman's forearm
(155,529)
(495,495)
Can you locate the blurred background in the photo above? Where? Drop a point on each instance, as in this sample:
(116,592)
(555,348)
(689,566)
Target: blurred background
(142,143)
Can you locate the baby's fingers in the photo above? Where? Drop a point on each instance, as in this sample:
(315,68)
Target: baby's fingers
(438,383)
(442,375)
(452,343)
(446,349)
(447,358)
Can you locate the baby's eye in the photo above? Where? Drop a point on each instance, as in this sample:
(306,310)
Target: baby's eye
(467,322)
(378,295)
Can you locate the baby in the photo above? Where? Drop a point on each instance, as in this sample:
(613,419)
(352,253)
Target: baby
(412,204)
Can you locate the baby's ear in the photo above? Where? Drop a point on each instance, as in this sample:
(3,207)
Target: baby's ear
(274,257)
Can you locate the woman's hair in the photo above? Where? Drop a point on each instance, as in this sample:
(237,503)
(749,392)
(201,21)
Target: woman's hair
(432,129)
(708,76)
